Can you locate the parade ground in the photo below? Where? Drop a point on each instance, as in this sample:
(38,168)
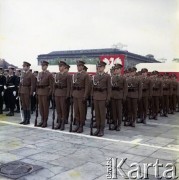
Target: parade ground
(64,155)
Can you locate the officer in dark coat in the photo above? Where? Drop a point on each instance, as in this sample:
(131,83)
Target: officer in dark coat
(2,83)
(11,89)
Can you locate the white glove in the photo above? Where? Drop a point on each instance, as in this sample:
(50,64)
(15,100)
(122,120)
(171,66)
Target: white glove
(17,97)
(5,87)
(2,94)
(14,93)
(34,93)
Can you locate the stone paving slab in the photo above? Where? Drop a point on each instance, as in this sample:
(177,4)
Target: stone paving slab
(67,155)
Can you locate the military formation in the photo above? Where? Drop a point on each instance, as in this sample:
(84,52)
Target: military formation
(130,96)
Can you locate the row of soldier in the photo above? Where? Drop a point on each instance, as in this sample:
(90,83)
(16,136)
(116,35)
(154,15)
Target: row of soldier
(131,96)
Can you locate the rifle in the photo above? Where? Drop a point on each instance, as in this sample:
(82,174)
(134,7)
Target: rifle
(71,115)
(53,114)
(92,116)
(36,115)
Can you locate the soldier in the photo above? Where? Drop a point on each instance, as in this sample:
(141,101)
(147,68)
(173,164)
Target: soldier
(33,98)
(67,67)
(146,94)
(44,90)
(134,95)
(101,93)
(2,84)
(18,74)
(174,93)
(157,91)
(118,95)
(11,90)
(61,92)
(26,91)
(6,72)
(177,100)
(80,91)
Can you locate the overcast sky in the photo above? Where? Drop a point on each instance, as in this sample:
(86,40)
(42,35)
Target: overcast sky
(32,27)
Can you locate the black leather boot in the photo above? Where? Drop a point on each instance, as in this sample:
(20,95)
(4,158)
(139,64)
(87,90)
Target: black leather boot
(77,127)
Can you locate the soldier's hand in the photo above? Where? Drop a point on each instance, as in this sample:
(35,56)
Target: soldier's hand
(2,94)
(14,93)
(5,87)
(34,93)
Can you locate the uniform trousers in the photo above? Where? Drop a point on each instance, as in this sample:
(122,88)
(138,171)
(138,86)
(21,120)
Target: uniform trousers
(100,113)
(61,106)
(117,111)
(43,106)
(79,109)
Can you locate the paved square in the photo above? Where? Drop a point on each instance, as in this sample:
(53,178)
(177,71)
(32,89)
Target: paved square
(65,155)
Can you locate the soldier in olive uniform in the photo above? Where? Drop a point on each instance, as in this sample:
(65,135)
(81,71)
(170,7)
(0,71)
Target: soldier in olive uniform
(26,91)
(45,82)
(80,92)
(133,96)
(62,87)
(157,91)
(174,93)
(2,84)
(167,89)
(11,89)
(6,72)
(118,95)
(101,93)
(67,67)
(146,94)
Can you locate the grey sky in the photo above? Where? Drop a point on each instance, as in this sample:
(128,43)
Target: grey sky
(32,27)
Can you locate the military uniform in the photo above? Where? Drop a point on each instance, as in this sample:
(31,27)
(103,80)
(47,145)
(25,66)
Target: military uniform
(44,90)
(11,90)
(133,96)
(26,91)
(62,87)
(118,96)
(157,91)
(173,94)
(17,99)
(146,94)
(101,93)
(2,83)
(167,90)
(80,91)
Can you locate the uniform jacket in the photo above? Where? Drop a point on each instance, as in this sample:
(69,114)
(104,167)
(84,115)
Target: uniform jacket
(45,83)
(62,85)
(157,87)
(27,83)
(174,87)
(101,87)
(134,87)
(12,80)
(167,87)
(146,87)
(80,85)
(2,82)
(119,87)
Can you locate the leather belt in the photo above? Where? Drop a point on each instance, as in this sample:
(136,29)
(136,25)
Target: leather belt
(100,89)
(42,86)
(116,88)
(132,90)
(78,88)
(144,90)
(60,87)
(165,89)
(155,89)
